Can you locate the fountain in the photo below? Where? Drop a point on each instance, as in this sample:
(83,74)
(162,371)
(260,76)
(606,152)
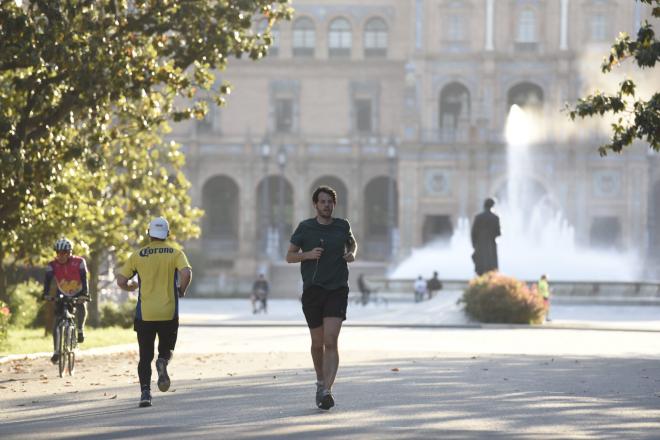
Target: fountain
(536,238)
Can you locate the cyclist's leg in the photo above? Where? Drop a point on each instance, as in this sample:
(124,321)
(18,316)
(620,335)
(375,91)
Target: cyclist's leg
(146,336)
(81,317)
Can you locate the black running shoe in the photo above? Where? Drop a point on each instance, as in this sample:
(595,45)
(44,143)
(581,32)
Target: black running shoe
(163,378)
(81,337)
(55,358)
(327,401)
(319,394)
(145,399)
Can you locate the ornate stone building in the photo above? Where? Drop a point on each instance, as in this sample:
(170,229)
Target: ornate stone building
(401,106)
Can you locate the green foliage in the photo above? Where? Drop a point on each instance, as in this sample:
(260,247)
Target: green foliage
(637,118)
(24,303)
(5,316)
(494,297)
(113,315)
(85,88)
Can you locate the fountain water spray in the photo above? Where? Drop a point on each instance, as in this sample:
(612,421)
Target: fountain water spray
(536,238)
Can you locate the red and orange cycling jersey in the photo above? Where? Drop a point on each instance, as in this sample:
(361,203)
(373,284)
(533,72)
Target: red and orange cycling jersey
(70,277)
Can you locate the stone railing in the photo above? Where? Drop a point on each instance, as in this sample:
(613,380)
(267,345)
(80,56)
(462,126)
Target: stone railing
(578,292)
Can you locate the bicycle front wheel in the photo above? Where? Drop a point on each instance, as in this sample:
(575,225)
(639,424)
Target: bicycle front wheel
(71,354)
(61,330)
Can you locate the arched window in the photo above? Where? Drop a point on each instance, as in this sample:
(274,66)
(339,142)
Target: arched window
(375,38)
(304,38)
(340,38)
(454,114)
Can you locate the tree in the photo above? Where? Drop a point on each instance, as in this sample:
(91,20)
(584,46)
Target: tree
(67,69)
(636,118)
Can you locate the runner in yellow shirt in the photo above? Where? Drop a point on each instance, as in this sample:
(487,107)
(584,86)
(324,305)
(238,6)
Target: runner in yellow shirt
(163,276)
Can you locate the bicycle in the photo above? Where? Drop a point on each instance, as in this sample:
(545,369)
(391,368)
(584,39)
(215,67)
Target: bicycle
(66,334)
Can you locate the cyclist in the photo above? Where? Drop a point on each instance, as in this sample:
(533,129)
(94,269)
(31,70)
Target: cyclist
(70,275)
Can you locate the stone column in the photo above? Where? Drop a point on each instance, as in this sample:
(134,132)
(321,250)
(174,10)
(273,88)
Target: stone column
(490,24)
(563,32)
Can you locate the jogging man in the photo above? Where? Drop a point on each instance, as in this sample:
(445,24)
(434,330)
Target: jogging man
(164,275)
(324,245)
(70,275)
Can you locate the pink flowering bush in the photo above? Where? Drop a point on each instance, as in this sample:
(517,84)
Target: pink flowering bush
(5,314)
(498,298)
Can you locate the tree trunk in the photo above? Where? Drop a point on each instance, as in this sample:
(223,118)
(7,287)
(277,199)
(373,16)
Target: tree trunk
(93,307)
(4,293)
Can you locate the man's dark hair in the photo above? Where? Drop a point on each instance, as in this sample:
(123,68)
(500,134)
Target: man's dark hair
(489,203)
(324,189)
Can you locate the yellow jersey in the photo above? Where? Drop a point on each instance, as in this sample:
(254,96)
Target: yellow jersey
(157,266)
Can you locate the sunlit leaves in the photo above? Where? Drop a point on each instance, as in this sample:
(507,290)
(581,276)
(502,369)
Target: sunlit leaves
(640,118)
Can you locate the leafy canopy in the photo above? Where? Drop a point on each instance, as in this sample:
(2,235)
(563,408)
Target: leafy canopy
(75,75)
(636,118)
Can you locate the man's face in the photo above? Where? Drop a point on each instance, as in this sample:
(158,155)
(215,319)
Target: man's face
(324,206)
(62,256)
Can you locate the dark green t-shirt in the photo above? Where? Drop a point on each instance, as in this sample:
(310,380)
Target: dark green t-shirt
(331,270)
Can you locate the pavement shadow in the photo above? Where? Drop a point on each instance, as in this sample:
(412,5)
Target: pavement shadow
(514,397)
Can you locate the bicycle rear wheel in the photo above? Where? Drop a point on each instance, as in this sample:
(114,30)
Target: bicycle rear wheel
(61,330)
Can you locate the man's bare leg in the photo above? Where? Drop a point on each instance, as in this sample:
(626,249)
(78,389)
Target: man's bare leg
(317,351)
(331,328)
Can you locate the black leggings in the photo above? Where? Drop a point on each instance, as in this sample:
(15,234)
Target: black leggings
(146,335)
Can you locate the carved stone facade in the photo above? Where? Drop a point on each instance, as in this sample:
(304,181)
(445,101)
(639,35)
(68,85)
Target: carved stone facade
(401,105)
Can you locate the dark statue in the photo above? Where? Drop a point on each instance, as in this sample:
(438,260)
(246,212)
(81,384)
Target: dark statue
(485,228)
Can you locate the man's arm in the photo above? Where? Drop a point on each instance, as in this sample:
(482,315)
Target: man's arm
(293,255)
(125,284)
(351,250)
(185,277)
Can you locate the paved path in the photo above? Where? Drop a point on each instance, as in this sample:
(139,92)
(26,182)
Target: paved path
(407,383)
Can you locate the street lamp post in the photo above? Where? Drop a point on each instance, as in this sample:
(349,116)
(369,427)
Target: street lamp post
(391,208)
(265,195)
(281,161)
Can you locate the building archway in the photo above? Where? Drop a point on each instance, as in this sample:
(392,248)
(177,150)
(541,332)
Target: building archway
(274,214)
(381,217)
(526,95)
(220,224)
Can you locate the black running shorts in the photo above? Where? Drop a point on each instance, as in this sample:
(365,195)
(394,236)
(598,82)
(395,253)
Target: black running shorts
(319,303)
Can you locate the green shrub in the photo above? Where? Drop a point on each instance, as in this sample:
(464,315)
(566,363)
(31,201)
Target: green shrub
(122,315)
(494,297)
(24,303)
(5,316)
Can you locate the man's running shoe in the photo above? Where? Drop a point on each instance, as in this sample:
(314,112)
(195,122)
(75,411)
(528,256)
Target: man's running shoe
(319,394)
(327,401)
(81,336)
(55,358)
(145,399)
(163,378)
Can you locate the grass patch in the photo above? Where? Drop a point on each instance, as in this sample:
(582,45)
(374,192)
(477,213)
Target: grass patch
(29,340)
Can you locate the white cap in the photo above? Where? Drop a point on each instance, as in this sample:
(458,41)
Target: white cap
(158,228)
